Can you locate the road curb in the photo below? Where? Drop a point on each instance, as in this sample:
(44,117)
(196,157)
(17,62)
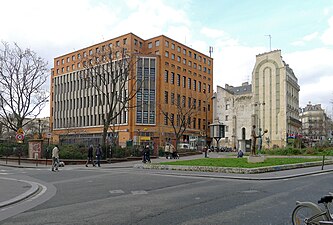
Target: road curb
(33,190)
(235,170)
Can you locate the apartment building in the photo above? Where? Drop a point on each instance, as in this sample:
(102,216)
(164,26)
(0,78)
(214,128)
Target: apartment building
(169,71)
(316,125)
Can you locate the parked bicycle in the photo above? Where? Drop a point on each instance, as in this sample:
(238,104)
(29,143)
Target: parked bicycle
(309,213)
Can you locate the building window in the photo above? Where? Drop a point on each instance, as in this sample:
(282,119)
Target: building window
(184,81)
(227,106)
(184,51)
(150,45)
(118,44)
(172,46)
(166,44)
(125,41)
(194,85)
(227,118)
(166,119)
(189,83)
(172,78)
(157,43)
(173,56)
(183,101)
(178,58)
(178,99)
(166,76)
(178,48)
(135,42)
(166,54)
(184,61)
(172,98)
(166,97)
(189,101)
(178,79)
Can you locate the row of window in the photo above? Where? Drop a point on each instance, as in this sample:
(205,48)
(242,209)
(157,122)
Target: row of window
(189,63)
(191,83)
(181,101)
(97,50)
(194,123)
(87,120)
(185,51)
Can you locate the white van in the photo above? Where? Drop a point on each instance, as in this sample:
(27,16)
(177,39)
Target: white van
(184,146)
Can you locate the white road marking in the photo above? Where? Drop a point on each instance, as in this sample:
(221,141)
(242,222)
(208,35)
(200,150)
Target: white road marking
(116,192)
(139,192)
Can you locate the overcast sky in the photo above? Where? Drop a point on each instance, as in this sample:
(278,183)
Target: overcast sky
(237,30)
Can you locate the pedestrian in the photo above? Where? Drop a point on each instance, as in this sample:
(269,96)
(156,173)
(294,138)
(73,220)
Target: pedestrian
(146,154)
(99,155)
(90,156)
(240,154)
(167,150)
(55,158)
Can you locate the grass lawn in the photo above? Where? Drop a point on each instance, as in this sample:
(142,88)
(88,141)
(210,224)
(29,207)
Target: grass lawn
(239,162)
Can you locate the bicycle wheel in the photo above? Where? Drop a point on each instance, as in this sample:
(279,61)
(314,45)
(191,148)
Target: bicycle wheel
(305,215)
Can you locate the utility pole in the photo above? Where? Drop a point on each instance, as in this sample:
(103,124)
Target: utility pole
(210,51)
(270,41)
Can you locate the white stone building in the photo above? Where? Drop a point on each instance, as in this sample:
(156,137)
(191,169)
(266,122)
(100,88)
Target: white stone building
(233,107)
(271,103)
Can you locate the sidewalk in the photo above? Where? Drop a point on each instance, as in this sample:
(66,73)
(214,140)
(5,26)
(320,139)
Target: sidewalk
(13,190)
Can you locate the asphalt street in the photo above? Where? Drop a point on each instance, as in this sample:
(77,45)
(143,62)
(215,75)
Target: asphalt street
(15,190)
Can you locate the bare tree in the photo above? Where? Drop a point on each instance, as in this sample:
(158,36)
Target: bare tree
(22,86)
(183,117)
(110,74)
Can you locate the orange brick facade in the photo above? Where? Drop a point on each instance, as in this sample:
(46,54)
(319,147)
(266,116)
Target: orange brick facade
(180,70)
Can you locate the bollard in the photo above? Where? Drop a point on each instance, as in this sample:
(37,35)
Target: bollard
(322,165)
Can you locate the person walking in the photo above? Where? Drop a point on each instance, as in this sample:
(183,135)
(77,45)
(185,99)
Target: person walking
(90,156)
(146,154)
(167,150)
(55,158)
(99,155)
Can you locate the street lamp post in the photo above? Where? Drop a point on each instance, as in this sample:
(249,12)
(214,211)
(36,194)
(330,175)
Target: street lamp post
(39,130)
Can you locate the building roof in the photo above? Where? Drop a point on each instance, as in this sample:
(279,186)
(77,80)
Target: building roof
(246,88)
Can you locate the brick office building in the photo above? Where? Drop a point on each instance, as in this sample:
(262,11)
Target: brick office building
(174,71)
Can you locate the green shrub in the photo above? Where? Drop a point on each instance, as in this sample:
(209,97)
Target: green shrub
(14,149)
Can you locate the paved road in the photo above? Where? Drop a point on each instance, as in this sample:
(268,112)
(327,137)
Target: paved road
(135,196)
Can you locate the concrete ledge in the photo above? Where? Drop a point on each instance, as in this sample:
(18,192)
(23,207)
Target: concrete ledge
(231,169)
(256,159)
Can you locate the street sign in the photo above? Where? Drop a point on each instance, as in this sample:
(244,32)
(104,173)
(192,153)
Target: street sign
(20,131)
(48,135)
(19,137)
